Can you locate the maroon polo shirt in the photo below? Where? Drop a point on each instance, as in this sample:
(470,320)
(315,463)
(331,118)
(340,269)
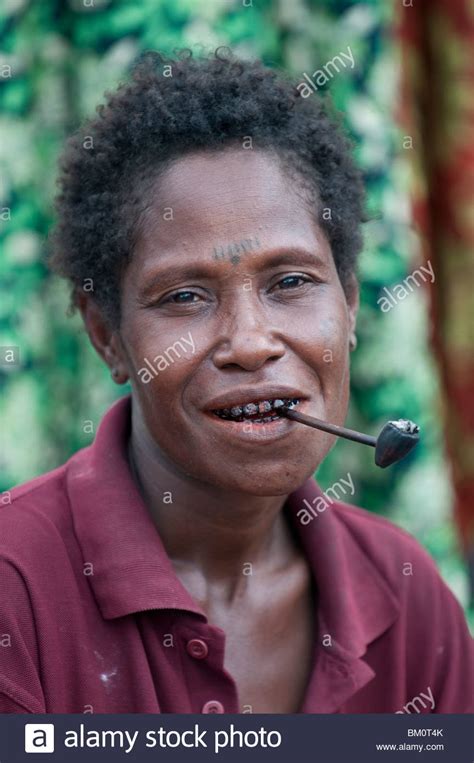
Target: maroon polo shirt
(94,619)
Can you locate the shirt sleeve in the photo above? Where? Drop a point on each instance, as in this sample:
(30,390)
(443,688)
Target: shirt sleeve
(441,641)
(20,686)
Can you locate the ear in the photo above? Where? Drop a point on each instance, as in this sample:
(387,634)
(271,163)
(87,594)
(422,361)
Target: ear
(105,340)
(352,292)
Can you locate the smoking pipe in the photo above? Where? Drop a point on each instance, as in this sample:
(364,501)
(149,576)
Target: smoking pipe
(396,439)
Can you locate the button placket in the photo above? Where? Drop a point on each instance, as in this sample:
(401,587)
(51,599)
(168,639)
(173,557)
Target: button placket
(209,677)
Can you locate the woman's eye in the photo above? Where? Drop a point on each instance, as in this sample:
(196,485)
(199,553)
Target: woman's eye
(182,297)
(291,282)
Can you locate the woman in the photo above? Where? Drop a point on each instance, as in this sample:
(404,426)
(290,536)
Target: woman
(208,223)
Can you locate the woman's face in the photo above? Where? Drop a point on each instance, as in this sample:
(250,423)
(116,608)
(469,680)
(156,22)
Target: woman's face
(232,297)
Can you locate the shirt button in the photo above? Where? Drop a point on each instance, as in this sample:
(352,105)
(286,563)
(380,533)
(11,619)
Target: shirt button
(213,706)
(197,648)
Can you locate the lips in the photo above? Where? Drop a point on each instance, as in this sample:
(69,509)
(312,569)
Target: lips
(259,411)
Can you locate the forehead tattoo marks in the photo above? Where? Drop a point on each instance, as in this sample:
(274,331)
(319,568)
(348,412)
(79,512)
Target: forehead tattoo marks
(235,250)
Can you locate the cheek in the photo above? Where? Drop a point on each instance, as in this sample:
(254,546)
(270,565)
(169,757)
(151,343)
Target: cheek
(163,377)
(323,338)
(322,343)
(161,363)
(161,404)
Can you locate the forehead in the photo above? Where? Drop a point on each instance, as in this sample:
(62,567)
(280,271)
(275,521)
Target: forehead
(221,196)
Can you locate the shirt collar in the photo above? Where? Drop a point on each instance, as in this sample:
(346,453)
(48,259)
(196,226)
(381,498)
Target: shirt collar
(132,572)
(355,603)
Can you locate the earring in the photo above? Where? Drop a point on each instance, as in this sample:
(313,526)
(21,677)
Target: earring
(115,373)
(352,342)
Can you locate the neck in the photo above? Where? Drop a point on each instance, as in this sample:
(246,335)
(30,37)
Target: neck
(208,529)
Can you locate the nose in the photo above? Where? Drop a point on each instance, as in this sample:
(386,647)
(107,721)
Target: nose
(247,339)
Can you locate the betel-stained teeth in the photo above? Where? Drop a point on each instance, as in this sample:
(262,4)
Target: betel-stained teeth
(263,407)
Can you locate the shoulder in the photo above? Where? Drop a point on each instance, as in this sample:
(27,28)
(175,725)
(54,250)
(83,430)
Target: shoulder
(36,524)
(394,552)
(31,510)
(37,550)
(406,567)
(434,637)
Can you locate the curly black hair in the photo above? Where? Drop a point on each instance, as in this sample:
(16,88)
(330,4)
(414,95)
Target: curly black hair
(171,106)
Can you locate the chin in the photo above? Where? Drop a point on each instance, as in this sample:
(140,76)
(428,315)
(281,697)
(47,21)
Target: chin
(265,482)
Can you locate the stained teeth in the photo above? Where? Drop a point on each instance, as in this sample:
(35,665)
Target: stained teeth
(240,412)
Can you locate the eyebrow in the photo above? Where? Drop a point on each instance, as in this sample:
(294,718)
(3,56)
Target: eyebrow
(292,256)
